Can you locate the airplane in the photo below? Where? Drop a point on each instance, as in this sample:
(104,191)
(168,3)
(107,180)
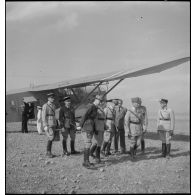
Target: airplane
(76,88)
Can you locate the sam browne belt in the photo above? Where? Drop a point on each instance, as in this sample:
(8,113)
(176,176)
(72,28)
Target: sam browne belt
(109,118)
(133,122)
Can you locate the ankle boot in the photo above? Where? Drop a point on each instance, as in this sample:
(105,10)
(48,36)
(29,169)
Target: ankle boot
(108,149)
(86,162)
(143,145)
(65,152)
(98,160)
(73,151)
(49,145)
(168,150)
(135,149)
(104,147)
(92,150)
(131,152)
(164,148)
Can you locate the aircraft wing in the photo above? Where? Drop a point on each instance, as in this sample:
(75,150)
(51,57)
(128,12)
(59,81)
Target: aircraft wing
(149,70)
(105,77)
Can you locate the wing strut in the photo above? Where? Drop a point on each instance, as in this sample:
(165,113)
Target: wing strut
(113,87)
(74,94)
(83,100)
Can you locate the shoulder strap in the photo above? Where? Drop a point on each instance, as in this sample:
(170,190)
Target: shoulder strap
(135,115)
(111,111)
(51,108)
(161,115)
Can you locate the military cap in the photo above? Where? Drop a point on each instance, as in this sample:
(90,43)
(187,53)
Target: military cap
(50,95)
(164,101)
(66,98)
(99,97)
(136,99)
(115,101)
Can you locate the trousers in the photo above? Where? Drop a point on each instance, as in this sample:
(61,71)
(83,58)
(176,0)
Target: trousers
(99,138)
(165,136)
(135,140)
(87,138)
(120,134)
(68,131)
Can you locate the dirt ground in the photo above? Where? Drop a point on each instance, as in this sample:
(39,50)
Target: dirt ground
(29,171)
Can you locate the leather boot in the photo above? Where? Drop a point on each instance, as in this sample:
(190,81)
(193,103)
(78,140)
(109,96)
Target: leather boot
(65,151)
(143,145)
(168,146)
(135,149)
(164,148)
(92,150)
(108,149)
(73,151)
(104,147)
(131,152)
(49,145)
(98,160)
(86,162)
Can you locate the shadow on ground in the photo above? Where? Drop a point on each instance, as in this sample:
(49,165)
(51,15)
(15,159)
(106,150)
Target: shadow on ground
(150,153)
(176,137)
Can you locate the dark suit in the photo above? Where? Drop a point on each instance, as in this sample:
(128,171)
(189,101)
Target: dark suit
(25,111)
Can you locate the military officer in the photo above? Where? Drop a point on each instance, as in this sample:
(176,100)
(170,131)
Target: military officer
(165,126)
(99,126)
(68,124)
(87,124)
(110,126)
(144,125)
(49,122)
(135,124)
(119,123)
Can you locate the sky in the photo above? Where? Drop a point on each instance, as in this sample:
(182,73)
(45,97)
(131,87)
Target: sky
(48,42)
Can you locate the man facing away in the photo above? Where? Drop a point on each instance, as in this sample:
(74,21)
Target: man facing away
(68,124)
(49,122)
(119,130)
(98,136)
(165,126)
(110,114)
(87,124)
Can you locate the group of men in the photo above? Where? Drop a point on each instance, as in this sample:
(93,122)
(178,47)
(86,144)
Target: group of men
(102,121)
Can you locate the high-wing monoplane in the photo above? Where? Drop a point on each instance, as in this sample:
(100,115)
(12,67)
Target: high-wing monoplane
(36,95)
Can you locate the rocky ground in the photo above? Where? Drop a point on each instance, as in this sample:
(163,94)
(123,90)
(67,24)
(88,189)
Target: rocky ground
(29,171)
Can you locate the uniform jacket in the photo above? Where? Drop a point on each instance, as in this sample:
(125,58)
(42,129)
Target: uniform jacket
(134,122)
(87,120)
(67,117)
(100,120)
(110,114)
(166,119)
(120,117)
(48,115)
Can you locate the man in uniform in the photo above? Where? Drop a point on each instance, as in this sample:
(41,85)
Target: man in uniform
(136,124)
(49,122)
(87,124)
(144,125)
(110,126)
(119,130)
(99,126)
(165,126)
(68,124)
